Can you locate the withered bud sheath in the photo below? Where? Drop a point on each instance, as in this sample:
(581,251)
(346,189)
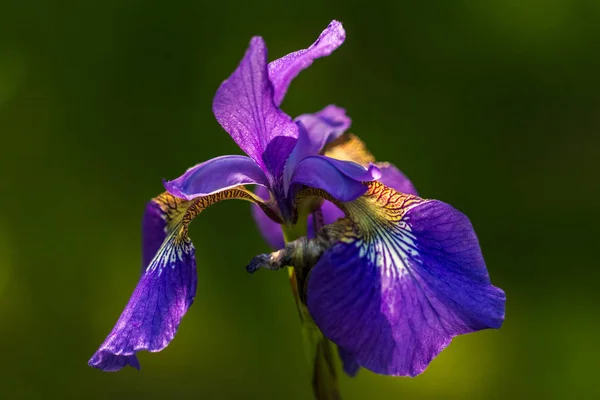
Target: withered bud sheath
(301,254)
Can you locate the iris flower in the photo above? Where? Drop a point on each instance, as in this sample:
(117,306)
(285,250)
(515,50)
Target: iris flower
(387,276)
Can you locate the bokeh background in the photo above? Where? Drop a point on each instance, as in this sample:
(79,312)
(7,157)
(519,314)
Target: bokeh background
(492,106)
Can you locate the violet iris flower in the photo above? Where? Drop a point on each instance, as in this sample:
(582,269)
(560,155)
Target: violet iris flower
(387,276)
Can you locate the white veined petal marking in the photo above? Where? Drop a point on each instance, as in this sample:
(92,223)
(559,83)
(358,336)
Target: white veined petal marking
(178,213)
(390,250)
(382,236)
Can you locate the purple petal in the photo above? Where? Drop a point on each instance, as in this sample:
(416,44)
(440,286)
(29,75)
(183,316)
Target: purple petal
(154,232)
(396,292)
(285,69)
(276,155)
(244,105)
(341,179)
(324,126)
(394,178)
(216,175)
(329,214)
(314,132)
(109,362)
(270,230)
(159,302)
(349,363)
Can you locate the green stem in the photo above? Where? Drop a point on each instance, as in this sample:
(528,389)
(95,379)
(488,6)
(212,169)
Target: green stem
(318,349)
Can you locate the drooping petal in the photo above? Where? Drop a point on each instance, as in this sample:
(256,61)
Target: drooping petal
(350,147)
(390,176)
(394,178)
(405,276)
(168,285)
(341,179)
(215,175)
(154,231)
(163,295)
(349,363)
(150,319)
(244,105)
(285,69)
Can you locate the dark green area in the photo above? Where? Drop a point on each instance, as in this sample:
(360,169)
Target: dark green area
(492,106)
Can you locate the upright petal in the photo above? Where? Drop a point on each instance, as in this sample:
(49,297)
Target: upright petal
(244,105)
(405,277)
(314,132)
(168,285)
(285,69)
(341,179)
(324,126)
(215,175)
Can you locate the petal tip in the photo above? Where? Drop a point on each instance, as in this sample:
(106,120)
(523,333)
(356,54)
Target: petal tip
(174,188)
(337,29)
(256,42)
(110,362)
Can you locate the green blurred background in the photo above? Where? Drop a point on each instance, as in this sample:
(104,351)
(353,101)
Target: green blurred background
(492,106)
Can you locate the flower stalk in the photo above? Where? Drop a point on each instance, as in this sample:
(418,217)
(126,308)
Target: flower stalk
(317,348)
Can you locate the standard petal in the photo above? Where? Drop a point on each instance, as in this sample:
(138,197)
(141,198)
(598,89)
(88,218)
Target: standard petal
(285,69)
(324,126)
(276,155)
(341,179)
(314,132)
(244,106)
(394,178)
(216,175)
(405,276)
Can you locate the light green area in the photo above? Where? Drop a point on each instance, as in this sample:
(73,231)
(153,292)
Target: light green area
(491,106)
